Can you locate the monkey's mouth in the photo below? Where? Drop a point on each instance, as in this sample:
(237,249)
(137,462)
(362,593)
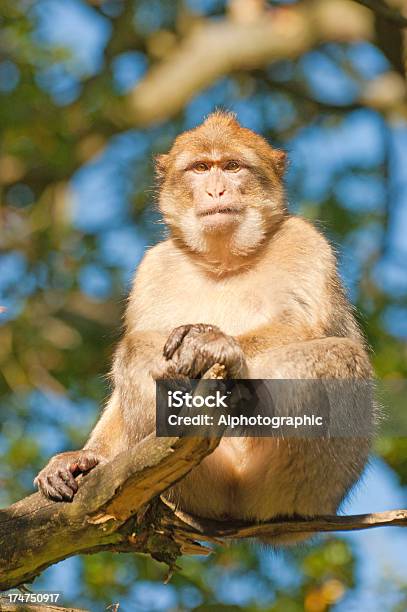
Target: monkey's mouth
(219,210)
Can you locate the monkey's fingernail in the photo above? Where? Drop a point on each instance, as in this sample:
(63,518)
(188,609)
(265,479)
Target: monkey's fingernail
(66,493)
(167,352)
(52,494)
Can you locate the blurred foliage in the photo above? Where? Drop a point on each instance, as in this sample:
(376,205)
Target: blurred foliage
(77,212)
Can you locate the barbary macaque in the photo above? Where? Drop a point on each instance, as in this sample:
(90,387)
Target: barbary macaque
(243,283)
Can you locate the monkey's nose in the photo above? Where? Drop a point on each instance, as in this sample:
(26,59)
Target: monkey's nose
(216,192)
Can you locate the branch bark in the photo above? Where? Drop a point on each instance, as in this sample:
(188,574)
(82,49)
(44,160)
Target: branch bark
(36,532)
(7,606)
(118,508)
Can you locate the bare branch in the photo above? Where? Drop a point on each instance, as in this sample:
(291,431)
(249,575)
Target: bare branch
(320,524)
(117,509)
(7,606)
(35,532)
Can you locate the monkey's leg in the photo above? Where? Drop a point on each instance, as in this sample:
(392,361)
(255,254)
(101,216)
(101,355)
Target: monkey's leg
(267,477)
(304,475)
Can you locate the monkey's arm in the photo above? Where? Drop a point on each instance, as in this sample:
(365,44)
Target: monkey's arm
(262,339)
(127,417)
(329,358)
(269,352)
(57,479)
(265,347)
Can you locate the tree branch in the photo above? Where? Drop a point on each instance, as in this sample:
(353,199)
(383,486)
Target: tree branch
(117,509)
(321,524)
(7,606)
(36,532)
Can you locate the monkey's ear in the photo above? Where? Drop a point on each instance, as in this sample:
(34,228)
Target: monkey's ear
(280,161)
(161,165)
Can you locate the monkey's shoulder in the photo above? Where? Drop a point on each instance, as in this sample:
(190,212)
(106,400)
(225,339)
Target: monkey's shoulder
(298,236)
(155,256)
(157,272)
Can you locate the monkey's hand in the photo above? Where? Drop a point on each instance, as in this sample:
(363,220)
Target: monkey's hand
(57,479)
(192,349)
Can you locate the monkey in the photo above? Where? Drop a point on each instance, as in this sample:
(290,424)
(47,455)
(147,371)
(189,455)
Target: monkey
(242,282)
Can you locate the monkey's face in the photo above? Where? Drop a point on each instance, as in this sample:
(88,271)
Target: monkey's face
(217,183)
(221,181)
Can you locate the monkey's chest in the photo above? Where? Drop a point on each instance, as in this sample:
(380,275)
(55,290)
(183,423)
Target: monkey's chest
(232,308)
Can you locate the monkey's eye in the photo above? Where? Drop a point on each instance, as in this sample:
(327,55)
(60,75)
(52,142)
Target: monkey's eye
(232,166)
(201,167)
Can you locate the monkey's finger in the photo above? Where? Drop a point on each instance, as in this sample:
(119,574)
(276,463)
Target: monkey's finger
(40,482)
(46,489)
(192,365)
(37,481)
(59,489)
(68,479)
(87,462)
(174,340)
